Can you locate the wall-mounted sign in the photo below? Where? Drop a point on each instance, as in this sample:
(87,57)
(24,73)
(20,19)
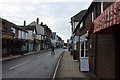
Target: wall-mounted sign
(77,38)
(109,17)
(83,37)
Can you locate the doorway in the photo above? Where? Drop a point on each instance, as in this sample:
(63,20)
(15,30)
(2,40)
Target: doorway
(84,63)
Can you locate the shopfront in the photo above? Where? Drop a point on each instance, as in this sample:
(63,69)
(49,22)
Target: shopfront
(84,63)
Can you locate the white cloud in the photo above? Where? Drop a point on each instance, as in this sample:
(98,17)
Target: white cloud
(55,14)
(41,1)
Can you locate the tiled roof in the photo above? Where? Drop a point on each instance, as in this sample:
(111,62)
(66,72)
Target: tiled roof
(12,24)
(29,27)
(78,16)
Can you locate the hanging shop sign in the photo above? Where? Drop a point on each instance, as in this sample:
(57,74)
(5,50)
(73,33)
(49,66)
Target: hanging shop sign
(109,17)
(70,41)
(83,37)
(7,35)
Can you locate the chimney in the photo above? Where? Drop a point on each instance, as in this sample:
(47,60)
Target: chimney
(41,23)
(37,20)
(24,23)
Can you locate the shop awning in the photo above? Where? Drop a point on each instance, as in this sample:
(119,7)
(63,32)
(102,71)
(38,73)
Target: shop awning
(110,17)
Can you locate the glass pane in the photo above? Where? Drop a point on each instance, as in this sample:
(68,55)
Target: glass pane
(82,49)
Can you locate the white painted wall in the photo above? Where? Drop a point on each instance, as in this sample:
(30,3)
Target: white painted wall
(30,35)
(22,34)
(38,37)
(19,34)
(40,29)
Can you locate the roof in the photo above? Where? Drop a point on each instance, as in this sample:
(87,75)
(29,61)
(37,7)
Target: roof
(85,15)
(29,27)
(39,29)
(13,25)
(78,16)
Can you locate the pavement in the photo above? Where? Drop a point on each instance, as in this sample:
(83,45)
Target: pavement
(70,69)
(17,56)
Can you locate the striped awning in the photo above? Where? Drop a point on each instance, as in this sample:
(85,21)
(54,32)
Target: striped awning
(8,35)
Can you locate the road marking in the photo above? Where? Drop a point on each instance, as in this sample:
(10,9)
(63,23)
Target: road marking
(57,66)
(18,65)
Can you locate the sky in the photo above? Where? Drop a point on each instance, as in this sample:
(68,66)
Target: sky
(54,13)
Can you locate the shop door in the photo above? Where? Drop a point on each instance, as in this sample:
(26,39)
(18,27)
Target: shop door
(84,65)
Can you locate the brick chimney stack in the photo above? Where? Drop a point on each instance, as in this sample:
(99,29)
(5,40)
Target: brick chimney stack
(24,23)
(41,23)
(37,20)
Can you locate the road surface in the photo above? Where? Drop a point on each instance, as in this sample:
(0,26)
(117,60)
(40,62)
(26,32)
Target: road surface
(40,65)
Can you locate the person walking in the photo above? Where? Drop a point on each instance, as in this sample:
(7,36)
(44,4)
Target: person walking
(52,52)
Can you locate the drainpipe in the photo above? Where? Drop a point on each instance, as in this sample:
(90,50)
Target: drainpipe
(96,37)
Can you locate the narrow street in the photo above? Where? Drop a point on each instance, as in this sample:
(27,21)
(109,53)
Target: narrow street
(41,65)
(85,36)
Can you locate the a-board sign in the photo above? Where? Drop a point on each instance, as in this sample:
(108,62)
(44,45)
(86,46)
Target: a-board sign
(84,64)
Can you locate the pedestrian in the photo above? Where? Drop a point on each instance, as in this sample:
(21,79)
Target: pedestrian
(22,49)
(52,51)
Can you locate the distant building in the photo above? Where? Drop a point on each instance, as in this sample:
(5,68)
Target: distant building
(56,40)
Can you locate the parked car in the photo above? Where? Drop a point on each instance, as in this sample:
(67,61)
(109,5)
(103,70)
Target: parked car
(64,47)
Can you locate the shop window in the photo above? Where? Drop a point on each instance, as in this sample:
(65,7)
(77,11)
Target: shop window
(84,48)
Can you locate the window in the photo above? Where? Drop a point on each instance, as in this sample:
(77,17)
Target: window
(19,34)
(84,48)
(92,16)
(101,7)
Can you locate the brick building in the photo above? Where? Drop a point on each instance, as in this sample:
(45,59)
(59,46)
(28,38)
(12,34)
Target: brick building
(99,38)
(47,36)
(74,22)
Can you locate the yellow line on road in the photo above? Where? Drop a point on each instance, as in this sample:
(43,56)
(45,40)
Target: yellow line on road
(56,68)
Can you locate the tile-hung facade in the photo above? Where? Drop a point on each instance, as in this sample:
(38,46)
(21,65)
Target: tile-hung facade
(100,39)
(13,38)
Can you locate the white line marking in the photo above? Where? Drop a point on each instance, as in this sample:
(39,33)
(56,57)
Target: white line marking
(18,65)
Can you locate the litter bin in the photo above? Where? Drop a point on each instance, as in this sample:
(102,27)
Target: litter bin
(74,55)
